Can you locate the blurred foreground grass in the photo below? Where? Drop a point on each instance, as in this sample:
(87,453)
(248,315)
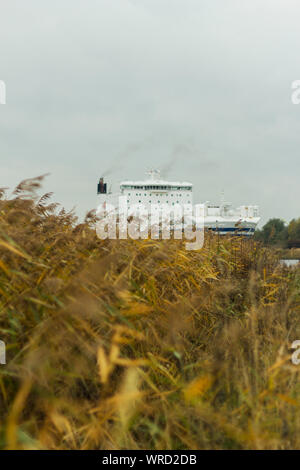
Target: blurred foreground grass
(141,344)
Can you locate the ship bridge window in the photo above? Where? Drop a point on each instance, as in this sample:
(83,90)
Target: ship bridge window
(159,188)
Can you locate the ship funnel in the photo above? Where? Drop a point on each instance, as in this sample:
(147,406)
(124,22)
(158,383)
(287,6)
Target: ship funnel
(101,188)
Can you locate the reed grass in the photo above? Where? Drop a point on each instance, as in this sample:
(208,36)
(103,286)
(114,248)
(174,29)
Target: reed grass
(124,344)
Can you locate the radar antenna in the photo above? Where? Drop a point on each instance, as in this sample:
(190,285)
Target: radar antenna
(154,174)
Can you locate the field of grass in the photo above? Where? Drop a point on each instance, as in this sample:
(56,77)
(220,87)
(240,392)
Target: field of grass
(289,253)
(141,344)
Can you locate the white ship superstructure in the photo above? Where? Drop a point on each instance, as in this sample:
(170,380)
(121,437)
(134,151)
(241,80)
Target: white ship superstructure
(222,218)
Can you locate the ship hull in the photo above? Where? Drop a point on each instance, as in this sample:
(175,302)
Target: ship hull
(232,226)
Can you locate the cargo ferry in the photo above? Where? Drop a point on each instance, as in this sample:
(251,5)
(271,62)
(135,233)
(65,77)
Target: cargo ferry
(222,218)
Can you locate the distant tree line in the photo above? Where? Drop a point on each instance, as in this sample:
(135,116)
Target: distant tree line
(277,233)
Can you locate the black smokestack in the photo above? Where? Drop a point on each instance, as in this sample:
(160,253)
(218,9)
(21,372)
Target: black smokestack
(101,189)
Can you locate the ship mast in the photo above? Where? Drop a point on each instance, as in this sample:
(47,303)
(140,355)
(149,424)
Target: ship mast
(154,174)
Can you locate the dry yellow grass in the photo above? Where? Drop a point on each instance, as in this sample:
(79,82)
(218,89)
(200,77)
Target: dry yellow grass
(141,344)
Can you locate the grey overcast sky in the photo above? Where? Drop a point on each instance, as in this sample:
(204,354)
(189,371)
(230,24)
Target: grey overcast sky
(198,88)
